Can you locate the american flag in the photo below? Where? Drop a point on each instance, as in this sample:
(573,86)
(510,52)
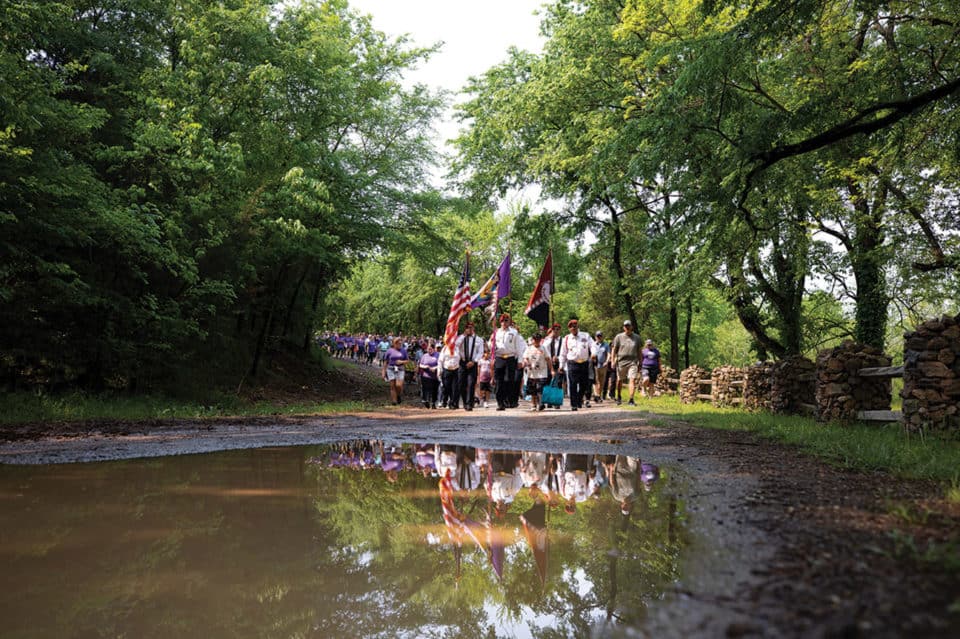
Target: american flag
(459,307)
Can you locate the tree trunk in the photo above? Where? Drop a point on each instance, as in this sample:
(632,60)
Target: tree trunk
(618,266)
(867,260)
(674,333)
(686,335)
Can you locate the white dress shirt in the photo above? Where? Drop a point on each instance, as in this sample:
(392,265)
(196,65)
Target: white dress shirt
(476,348)
(447,360)
(577,348)
(507,343)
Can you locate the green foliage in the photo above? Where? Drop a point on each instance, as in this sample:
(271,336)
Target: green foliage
(751,148)
(184,181)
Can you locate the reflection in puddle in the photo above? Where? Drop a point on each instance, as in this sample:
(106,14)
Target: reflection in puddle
(354,539)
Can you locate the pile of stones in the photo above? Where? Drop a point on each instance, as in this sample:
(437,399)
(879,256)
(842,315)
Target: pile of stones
(757,386)
(689,386)
(931,376)
(727,389)
(792,385)
(841,391)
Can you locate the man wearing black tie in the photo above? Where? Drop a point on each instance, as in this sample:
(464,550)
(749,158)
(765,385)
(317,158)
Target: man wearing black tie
(471,352)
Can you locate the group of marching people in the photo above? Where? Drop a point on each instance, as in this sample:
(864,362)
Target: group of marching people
(563,479)
(472,370)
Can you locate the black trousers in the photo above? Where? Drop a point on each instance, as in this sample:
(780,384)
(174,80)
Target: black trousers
(428,390)
(578,374)
(451,387)
(468,385)
(505,374)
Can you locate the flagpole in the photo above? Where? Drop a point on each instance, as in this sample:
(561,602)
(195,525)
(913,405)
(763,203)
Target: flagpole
(553,287)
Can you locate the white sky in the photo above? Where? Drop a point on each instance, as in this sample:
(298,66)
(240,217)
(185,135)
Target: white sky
(475,37)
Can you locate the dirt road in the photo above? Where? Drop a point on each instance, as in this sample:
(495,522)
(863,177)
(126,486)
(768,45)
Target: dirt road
(791,546)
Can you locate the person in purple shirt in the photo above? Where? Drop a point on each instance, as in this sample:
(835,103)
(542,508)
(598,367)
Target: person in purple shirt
(649,367)
(393,370)
(429,382)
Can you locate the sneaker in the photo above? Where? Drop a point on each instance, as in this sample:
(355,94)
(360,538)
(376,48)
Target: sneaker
(574,409)
(588,403)
(501,408)
(631,403)
(619,402)
(540,407)
(486,405)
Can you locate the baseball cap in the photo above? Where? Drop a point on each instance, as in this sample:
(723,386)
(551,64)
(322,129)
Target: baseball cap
(599,333)
(627,323)
(649,341)
(505,317)
(573,322)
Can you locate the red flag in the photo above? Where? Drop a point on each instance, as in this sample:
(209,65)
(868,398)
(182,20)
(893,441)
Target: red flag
(459,307)
(538,308)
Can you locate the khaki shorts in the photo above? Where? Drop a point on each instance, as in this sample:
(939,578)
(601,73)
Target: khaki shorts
(627,370)
(395,373)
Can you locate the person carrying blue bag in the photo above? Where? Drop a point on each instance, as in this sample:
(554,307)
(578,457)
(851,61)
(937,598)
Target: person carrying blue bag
(538,367)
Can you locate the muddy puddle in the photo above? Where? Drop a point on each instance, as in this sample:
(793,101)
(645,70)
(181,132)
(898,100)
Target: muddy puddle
(361,539)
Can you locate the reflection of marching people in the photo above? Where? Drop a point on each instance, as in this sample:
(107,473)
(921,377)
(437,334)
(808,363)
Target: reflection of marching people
(506,480)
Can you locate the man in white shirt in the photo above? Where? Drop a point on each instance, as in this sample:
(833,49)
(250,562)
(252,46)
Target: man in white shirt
(507,346)
(449,363)
(576,351)
(470,348)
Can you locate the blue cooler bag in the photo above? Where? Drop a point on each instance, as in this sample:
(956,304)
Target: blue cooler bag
(552,394)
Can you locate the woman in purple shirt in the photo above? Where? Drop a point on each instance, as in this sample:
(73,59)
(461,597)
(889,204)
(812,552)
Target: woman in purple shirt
(649,367)
(428,376)
(393,369)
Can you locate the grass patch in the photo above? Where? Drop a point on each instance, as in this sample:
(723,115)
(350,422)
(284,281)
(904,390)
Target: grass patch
(861,446)
(36,407)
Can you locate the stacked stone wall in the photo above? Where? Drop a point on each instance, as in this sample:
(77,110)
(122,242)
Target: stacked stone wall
(663,385)
(689,386)
(792,384)
(757,383)
(840,391)
(931,376)
(724,390)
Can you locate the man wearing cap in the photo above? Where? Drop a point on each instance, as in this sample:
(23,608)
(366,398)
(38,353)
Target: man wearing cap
(507,346)
(576,351)
(649,367)
(471,352)
(603,359)
(551,346)
(625,356)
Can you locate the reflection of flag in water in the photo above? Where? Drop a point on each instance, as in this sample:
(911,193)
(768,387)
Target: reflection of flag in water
(459,307)
(534,522)
(538,308)
(460,526)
